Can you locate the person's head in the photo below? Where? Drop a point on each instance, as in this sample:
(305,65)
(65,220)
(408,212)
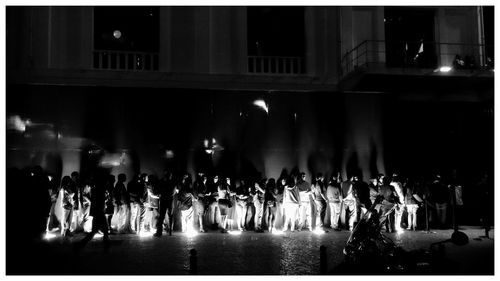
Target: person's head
(122,177)
(355,178)
(290,181)
(66,181)
(395,177)
(302,176)
(228,181)
(374,181)
(283,181)
(216,178)
(75,176)
(204,179)
(380,178)
(319,177)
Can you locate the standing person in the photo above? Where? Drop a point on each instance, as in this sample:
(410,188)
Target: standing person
(412,201)
(167,191)
(241,205)
(68,201)
(153,201)
(390,198)
(200,190)
(334,196)
(122,202)
(97,209)
(271,203)
(224,204)
(185,203)
(291,203)
(280,213)
(440,197)
(349,201)
(76,221)
(85,220)
(53,190)
(38,200)
(232,206)
(258,202)
(138,194)
(250,211)
(362,193)
(108,201)
(398,187)
(213,206)
(373,189)
(319,196)
(486,212)
(305,191)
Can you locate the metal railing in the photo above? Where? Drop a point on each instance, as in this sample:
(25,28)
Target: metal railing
(268,65)
(392,54)
(129,61)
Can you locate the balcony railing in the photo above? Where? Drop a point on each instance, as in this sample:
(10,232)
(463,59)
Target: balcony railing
(129,61)
(417,55)
(267,65)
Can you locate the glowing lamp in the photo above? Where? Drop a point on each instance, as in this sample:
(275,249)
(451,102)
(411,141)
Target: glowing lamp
(318,231)
(49,236)
(262,104)
(191,233)
(445,69)
(117,34)
(144,234)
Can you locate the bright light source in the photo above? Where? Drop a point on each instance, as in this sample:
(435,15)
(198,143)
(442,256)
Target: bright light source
(49,236)
(400,231)
(445,69)
(318,231)
(262,104)
(278,232)
(191,233)
(117,34)
(169,154)
(15,122)
(143,234)
(234,232)
(98,235)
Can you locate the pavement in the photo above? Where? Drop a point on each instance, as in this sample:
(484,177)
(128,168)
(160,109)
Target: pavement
(249,253)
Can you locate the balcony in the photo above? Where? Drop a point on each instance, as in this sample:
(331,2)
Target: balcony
(391,57)
(126,61)
(269,65)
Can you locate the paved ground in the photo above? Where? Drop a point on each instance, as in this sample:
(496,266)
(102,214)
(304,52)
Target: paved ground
(248,253)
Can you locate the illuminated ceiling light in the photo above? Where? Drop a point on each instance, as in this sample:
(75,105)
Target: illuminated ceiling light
(234,232)
(49,236)
(445,69)
(169,154)
(117,34)
(262,104)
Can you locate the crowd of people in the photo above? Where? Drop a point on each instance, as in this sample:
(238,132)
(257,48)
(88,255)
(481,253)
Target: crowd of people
(149,204)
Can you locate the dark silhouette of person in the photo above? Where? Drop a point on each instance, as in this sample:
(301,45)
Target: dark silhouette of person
(166,192)
(97,208)
(39,200)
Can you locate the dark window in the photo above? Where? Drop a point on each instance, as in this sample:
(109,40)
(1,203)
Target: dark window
(132,28)
(408,31)
(276,31)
